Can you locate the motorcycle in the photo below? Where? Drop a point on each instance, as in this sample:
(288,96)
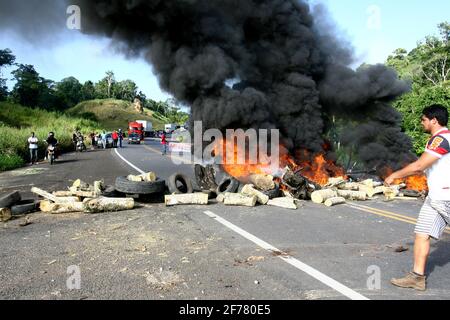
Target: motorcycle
(81,146)
(51,150)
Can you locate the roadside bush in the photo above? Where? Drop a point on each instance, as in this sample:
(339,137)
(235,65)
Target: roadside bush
(10,161)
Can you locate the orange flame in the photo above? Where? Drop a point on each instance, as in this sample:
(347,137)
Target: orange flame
(314,167)
(418,183)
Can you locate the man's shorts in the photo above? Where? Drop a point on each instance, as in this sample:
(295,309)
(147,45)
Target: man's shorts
(433,218)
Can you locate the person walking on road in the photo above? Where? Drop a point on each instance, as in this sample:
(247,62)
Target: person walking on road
(164,143)
(115,137)
(104,139)
(74,140)
(33,147)
(434,216)
(121,136)
(93,142)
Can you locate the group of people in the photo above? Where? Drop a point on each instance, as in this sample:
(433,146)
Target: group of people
(97,140)
(33,146)
(101,140)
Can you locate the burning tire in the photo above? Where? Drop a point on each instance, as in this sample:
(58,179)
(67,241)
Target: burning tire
(205,177)
(228,184)
(131,187)
(24,207)
(186,184)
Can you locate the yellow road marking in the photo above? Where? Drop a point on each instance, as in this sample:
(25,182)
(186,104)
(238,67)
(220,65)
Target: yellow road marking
(385,212)
(388,214)
(381,214)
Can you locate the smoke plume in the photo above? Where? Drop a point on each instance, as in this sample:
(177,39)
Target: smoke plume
(260,64)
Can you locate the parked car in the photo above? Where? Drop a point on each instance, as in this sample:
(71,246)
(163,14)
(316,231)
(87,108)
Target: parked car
(134,138)
(109,141)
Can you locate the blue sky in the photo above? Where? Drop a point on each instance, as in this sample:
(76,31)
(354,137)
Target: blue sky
(374,27)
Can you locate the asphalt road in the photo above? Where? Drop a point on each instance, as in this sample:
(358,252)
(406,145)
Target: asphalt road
(208,252)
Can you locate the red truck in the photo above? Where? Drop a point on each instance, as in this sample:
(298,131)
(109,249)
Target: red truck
(136,128)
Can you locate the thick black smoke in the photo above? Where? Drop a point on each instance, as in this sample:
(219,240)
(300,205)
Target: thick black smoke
(288,69)
(38,21)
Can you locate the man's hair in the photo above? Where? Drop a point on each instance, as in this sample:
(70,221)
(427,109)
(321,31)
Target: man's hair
(438,112)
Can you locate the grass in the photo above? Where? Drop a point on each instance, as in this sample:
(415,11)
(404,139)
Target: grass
(10,162)
(115,114)
(17,123)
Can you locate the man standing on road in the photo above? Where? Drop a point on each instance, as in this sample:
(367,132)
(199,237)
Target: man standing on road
(120,137)
(33,146)
(115,137)
(92,136)
(435,213)
(74,140)
(104,139)
(164,143)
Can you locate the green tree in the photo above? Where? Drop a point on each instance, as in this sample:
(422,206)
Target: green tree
(29,86)
(6,59)
(104,89)
(110,80)
(174,113)
(428,67)
(33,90)
(125,90)
(69,91)
(400,61)
(88,91)
(101,89)
(429,63)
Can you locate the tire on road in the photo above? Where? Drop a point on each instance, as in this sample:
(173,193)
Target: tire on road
(274,193)
(24,207)
(111,192)
(228,184)
(10,199)
(130,187)
(184,180)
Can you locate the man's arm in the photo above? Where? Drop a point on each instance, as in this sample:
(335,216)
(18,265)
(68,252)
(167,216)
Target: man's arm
(417,167)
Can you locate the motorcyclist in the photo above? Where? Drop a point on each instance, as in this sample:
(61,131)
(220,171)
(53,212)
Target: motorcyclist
(80,139)
(51,141)
(74,140)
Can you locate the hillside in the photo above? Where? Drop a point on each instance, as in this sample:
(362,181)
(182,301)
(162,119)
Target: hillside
(114,114)
(17,122)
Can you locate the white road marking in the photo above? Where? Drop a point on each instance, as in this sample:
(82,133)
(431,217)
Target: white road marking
(283,256)
(129,163)
(291,260)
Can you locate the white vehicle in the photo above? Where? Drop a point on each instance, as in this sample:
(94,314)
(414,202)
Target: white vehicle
(148,126)
(170,127)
